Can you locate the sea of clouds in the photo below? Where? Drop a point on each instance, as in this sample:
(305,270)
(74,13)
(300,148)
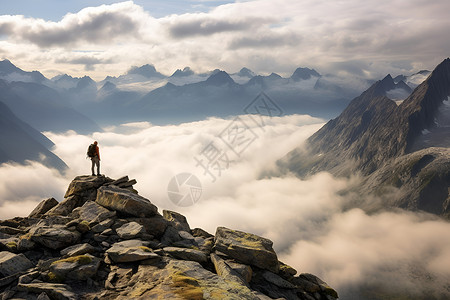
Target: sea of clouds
(356,253)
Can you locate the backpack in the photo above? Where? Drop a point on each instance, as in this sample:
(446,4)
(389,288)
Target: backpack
(91,152)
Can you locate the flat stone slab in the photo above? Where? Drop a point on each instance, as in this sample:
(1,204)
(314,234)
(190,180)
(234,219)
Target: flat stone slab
(125,201)
(247,248)
(80,267)
(130,230)
(129,251)
(92,212)
(11,263)
(54,237)
(78,250)
(186,254)
(54,290)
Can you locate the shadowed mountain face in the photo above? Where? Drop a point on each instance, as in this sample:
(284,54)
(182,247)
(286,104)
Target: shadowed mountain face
(373,131)
(43,108)
(20,142)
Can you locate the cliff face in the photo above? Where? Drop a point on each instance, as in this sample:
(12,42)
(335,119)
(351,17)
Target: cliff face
(373,131)
(104,241)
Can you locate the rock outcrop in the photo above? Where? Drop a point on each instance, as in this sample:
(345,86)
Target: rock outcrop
(114,244)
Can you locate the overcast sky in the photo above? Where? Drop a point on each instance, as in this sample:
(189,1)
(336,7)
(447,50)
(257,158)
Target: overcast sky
(99,38)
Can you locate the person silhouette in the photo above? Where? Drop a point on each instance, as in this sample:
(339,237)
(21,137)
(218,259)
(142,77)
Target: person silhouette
(94,155)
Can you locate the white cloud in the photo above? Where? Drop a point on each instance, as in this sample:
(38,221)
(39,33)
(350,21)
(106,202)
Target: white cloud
(392,37)
(306,219)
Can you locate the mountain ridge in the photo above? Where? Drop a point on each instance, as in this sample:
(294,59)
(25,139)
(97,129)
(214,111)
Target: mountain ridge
(373,131)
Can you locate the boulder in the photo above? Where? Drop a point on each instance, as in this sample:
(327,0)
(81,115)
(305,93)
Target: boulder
(178,220)
(155,225)
(86,186)
(246,248)
(186,254)
(43,207)
(80,267)
(54,237)
(66,206)
(125,201)
(130,231)
(54,290)
(11,263)
(78,249)
(93,212)
(130,251)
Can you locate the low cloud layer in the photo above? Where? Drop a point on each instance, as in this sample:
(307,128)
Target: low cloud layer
(350,37)
(356,253)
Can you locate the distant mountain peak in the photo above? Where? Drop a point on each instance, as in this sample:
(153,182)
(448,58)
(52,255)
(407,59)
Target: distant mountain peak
(147,70)
(108,86)
(246,72)
(220,78)
(304,74)
(7,67)
(183,73)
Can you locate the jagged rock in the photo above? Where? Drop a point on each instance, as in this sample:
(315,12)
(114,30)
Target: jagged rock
(170,236)
(277,280)
(245,271)
(124,201)
(43,207)
(178,220)
(79,249)
(130,230)
(10,230)
(119,181)
(118,278)
(93,212)
(29,277)
(324,287)
(247,248)
(225,271)
(305,285)
(179,279)
(155,225)
(79,267)
(130,251)
(66,206)
(86,186)
(102,226)
(286,271)
(43,296)
(186,254)
(11,263)
(54,290)
(127,184)
(54,237)
(198,232)
(25,244)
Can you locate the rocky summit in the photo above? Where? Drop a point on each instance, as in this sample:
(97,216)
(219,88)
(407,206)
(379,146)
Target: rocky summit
(105,241)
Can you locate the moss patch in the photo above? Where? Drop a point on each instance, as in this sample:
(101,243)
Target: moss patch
(187,287)
(80,259)
(52,277)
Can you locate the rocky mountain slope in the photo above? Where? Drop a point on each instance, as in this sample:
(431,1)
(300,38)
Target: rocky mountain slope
(375,136)
(104,241)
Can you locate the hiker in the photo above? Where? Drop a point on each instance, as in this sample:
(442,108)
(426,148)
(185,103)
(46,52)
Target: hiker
(94,154)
